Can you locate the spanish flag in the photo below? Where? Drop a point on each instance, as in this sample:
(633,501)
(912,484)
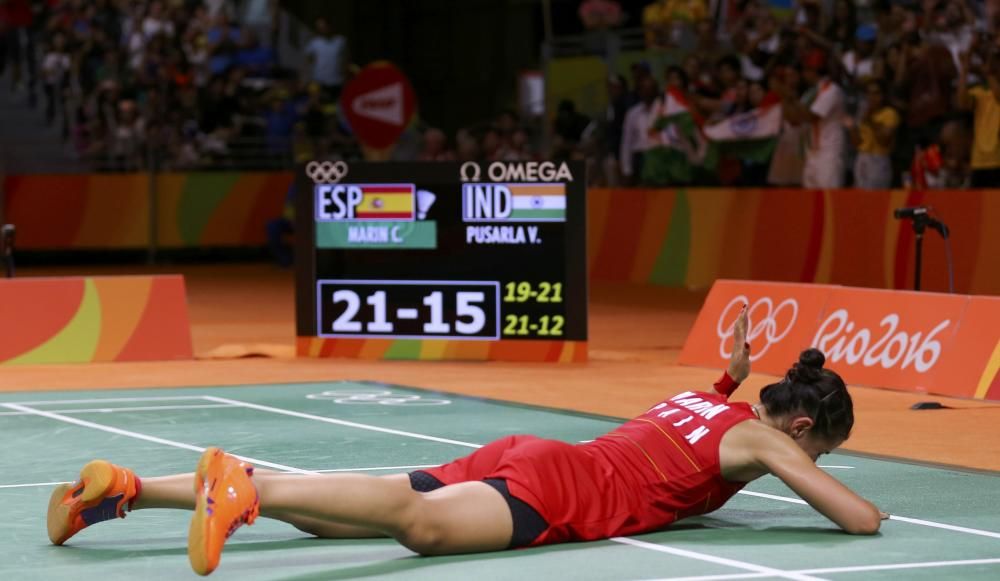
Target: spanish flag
(386,202)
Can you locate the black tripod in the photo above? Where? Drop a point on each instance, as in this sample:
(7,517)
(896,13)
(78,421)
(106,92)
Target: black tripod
(7,248)
(921,220)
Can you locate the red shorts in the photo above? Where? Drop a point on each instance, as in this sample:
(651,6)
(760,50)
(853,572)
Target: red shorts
(568,487)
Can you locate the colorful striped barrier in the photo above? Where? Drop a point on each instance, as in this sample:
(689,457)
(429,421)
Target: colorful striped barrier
(947,344)
(84,320)
(673,237)
(691,237)
(435,350)
(112,211)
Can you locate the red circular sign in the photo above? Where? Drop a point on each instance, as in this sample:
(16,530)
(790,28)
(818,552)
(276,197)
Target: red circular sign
(379,103)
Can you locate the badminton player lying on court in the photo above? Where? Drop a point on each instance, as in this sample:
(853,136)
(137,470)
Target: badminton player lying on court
(685,456)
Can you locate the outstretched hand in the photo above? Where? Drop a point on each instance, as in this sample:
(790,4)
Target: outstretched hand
(739,361)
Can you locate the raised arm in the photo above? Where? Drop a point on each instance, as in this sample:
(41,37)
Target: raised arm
(739,361)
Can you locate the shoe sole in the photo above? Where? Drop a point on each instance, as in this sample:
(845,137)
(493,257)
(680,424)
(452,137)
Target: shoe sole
(97,477)
(197,534)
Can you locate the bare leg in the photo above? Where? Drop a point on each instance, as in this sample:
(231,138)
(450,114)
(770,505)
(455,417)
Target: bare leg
(177,491)
(462,518)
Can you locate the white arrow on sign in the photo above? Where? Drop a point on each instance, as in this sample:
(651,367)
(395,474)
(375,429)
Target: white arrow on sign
(385,104)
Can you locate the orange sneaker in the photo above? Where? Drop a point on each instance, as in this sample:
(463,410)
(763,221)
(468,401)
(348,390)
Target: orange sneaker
(103,492)
(225,500)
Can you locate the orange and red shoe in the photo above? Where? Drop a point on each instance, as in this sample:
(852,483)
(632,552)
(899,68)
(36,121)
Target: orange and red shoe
(225,500)
(103,492)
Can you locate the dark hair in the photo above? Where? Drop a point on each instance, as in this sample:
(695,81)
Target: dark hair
(816,392)
(730,61)
(674,69)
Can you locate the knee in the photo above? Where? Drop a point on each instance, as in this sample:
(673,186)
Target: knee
(423,539)
(418,531)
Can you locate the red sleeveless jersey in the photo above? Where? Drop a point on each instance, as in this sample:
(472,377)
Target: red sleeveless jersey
(653,470)
(667,460)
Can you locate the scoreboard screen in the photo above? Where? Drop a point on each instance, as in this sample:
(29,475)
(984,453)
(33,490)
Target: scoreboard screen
(485,260)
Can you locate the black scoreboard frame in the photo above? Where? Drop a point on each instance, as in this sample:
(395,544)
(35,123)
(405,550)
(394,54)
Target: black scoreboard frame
(552,262)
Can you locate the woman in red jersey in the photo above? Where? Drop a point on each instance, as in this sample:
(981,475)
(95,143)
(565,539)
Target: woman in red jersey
(685,456)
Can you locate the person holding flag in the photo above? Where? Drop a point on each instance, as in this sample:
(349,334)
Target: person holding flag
(822,109)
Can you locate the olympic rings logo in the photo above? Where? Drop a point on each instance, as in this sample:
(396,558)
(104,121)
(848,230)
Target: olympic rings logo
(768,322)
(326,172)
(376,397)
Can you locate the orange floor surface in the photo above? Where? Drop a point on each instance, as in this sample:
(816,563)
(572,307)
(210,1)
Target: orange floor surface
(636,333)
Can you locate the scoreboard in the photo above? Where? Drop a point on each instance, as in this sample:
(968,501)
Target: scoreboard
(442,260)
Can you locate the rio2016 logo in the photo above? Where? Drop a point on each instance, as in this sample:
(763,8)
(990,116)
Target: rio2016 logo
(843,340)
(838,337)
(769,323)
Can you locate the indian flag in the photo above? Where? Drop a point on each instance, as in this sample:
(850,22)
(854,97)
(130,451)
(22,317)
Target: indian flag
(538,202)
(386,202)
(675,121)
(749,136)
(676,133)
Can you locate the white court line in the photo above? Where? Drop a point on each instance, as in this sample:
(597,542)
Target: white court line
(138,436)
(32,485)
(107,400)
(836,467)
(125,409)
(366,469)
(853,569)
(154,439)
(759,569)
(325,419)
(906,519)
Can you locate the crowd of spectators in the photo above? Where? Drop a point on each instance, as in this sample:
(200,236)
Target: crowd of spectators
(179,83)
(873,93)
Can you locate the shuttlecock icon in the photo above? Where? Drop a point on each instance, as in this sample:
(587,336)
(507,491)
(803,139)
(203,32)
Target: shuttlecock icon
(425,200)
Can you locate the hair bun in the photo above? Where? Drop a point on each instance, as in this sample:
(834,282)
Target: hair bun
(808,369)
(812,358)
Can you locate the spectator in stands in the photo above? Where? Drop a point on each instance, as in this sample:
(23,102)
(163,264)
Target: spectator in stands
(656,24)
(841,31)
(951,24)
(619,102)
(127,137)
(984,101)
(435,146)
(327,55)
(636,138)
(924,76)
(156,22)
(859,61)
(222,40)
(256,59)
(874,136)
(728,77)
(467,147)
(16,32)
(788,158)
(519,148)
(56,66)
(569,124)
(757,37)
(822,109)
